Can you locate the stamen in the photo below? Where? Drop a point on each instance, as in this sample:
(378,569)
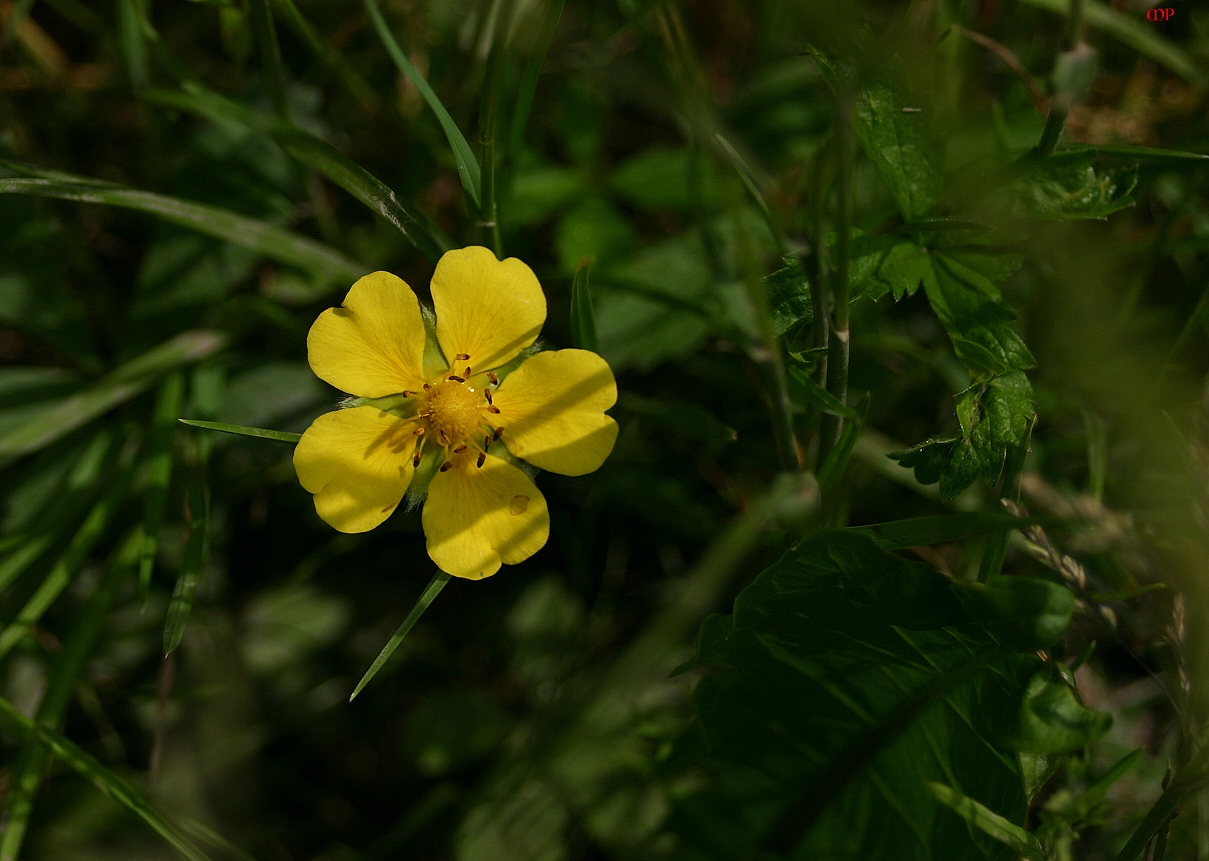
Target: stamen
(427,387)
(419,431)
(406,394)
(444,436)
(497,433)
(446,465)
(466,373)
(462,357)
(482,459)
(415,458)
(486,443)
(495,381)
(455,378)
(493,409)
(459,449)
(487,394)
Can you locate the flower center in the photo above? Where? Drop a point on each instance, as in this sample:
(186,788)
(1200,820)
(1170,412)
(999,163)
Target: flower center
(452,411)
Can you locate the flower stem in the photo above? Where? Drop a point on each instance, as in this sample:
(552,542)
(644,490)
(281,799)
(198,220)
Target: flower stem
(435,585)
(491,220)
(838,342)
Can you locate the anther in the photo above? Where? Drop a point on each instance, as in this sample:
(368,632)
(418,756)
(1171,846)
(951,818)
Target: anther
(462,357)
(446,465)
(497,433)
(415,460)
(466,373)
(495,381)
(444,436)
(427,387)
(493,409)
(419,431)
(455,378)
(482,459)
(406,394)
(487,394)
(459,449)
(486,443)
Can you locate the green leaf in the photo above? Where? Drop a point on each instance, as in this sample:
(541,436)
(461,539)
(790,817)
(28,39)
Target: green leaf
(788,295)
(260,433)
(1051,718)
(583,316)
(468,166)
(321,261)
(19,726)
(846,681)
(1067,185)
(939,528)
(985,819)
(678,179)
(803,384)
(197,526)
(1022,613)
(882,264)
(115,388)
(429,595)
(896,143)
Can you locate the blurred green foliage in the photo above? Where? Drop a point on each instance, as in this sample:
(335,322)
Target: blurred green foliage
(863,271)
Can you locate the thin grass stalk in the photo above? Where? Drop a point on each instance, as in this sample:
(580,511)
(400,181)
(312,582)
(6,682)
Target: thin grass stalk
(838,349)
(488,123)
(997,541)
(528,83)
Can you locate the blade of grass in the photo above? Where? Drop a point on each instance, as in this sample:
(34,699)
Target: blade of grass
(260,433)
(435,585)
(488,123)
(468,166)
(131,24)
(583,318)
(939,528)
(19,726)
(319,260)
(159,473)
(32,757)
(330,57)
(59,578)
(1133,32)
(17,13)
(197,524)
(265,37)
(528,83)
(428,239)
(117,387)
(66,506)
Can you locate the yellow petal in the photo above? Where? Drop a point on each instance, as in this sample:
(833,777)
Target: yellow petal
(373,345)
(474,519)
(487,309)
(357,462)
(552,411)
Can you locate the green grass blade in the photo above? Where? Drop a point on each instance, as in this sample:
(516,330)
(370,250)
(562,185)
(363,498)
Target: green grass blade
(111,390)
(131,22)
(468,166)
(321,261)
(60,576)
(939,528)
(435,585)
(159,473)
(260,433)
(583,317)
(19,12)
(270,56)
(427,238)
(18,725)
(361,89)
(982,817)
(528,84)
(1132,31)
(23,550)
(196,551)
(27,772)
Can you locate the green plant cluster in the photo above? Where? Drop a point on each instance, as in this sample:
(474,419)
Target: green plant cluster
(901,550)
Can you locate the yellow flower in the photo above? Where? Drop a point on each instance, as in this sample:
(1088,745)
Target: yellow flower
(447,415)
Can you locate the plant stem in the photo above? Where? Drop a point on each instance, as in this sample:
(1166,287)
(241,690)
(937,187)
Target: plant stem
(838,342)
(490,211)
(997,541)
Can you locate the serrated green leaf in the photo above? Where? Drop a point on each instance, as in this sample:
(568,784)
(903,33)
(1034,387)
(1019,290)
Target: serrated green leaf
(468,166)
(882,264)
(788,295)
(1022,613)
(117,387)
(1068,185)
(1052,720)
(846,680)
(988,821)
(276,243)
(895,141)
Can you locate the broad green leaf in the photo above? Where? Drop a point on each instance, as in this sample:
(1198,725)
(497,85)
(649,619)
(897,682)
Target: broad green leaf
(468,166)
(1021,613)
(17,725)
(981,817)
(847,680)
(277,243)
(595,229)
(939,528)
(678,179)
(897,144)
(1052,719)
(583,315)
(882,264)
(240,430)
(117,387)
(788,295)
(1068,185)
